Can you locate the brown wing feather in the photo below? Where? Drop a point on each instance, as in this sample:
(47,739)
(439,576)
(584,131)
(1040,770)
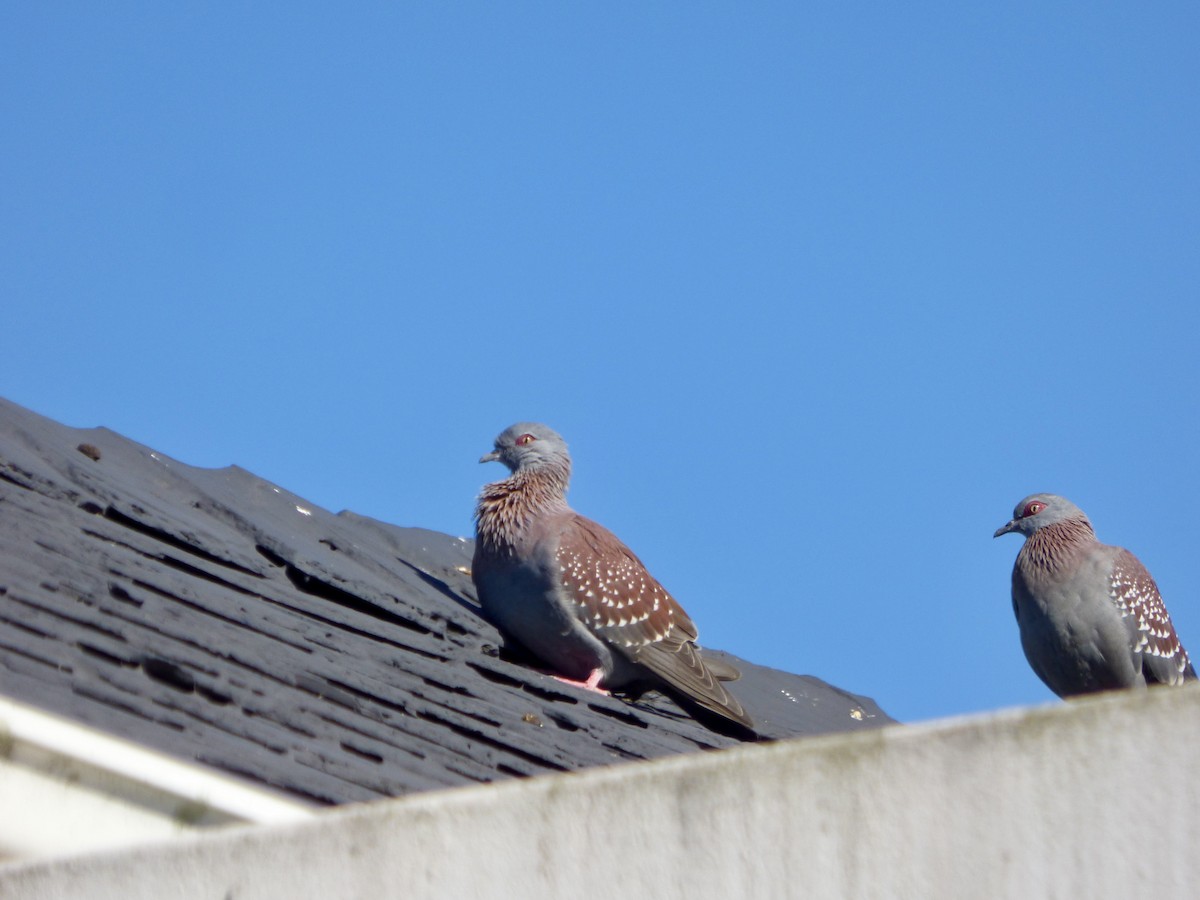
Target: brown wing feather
(625,606)
(1136,595)
(619,600)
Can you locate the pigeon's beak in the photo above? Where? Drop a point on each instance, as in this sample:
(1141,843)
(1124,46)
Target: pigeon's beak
(1005,529)
(494,456)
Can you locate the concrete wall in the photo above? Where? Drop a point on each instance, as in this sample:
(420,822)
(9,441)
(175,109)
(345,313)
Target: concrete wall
(1090,799)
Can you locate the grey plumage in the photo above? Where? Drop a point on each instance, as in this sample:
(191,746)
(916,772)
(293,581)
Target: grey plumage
(572,593)
(1090,615)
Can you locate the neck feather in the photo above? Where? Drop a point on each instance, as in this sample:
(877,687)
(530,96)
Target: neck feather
(506,508)
(1050,547)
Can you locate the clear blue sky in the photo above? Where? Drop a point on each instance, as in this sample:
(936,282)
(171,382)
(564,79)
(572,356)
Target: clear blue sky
(815,292)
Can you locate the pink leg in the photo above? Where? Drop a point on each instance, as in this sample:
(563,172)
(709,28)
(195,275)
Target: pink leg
(592,683)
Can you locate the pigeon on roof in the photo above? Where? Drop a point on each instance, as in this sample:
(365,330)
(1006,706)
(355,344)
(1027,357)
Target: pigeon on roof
(566,587)
(1090,615)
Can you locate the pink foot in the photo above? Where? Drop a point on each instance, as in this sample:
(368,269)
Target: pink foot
(592,683)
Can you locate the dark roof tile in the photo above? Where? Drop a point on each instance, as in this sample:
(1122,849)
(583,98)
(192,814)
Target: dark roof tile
(219,618)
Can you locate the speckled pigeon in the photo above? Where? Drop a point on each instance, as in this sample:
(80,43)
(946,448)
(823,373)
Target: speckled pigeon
(1090,615)
(572,593)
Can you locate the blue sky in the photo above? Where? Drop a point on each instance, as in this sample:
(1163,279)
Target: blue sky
(815,294)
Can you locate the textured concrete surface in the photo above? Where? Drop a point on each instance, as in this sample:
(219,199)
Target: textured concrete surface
(1097,798)
(219,618)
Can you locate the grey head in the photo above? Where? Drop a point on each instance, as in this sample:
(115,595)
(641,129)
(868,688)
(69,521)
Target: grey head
(529,445)
(1039,510)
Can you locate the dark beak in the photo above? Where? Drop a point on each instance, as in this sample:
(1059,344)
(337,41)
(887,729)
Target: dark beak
(494,456)
(1005,529)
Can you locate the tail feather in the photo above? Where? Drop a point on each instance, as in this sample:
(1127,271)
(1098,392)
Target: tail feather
(682,668)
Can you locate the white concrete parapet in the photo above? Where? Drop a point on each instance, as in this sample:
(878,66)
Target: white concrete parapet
(1096,798)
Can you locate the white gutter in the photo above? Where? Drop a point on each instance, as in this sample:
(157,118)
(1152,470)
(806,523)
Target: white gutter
(66,787)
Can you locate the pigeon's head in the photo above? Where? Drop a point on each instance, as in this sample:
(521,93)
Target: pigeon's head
(1039,510)
(528,445)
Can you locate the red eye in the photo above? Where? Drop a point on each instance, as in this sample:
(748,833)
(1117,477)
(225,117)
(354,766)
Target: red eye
(525,439)
(1032,509)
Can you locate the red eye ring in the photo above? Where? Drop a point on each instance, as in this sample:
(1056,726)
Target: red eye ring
(525,439)
(1032,509)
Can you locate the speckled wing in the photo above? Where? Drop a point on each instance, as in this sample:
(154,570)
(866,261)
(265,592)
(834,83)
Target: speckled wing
(1136,596)
(625,606)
